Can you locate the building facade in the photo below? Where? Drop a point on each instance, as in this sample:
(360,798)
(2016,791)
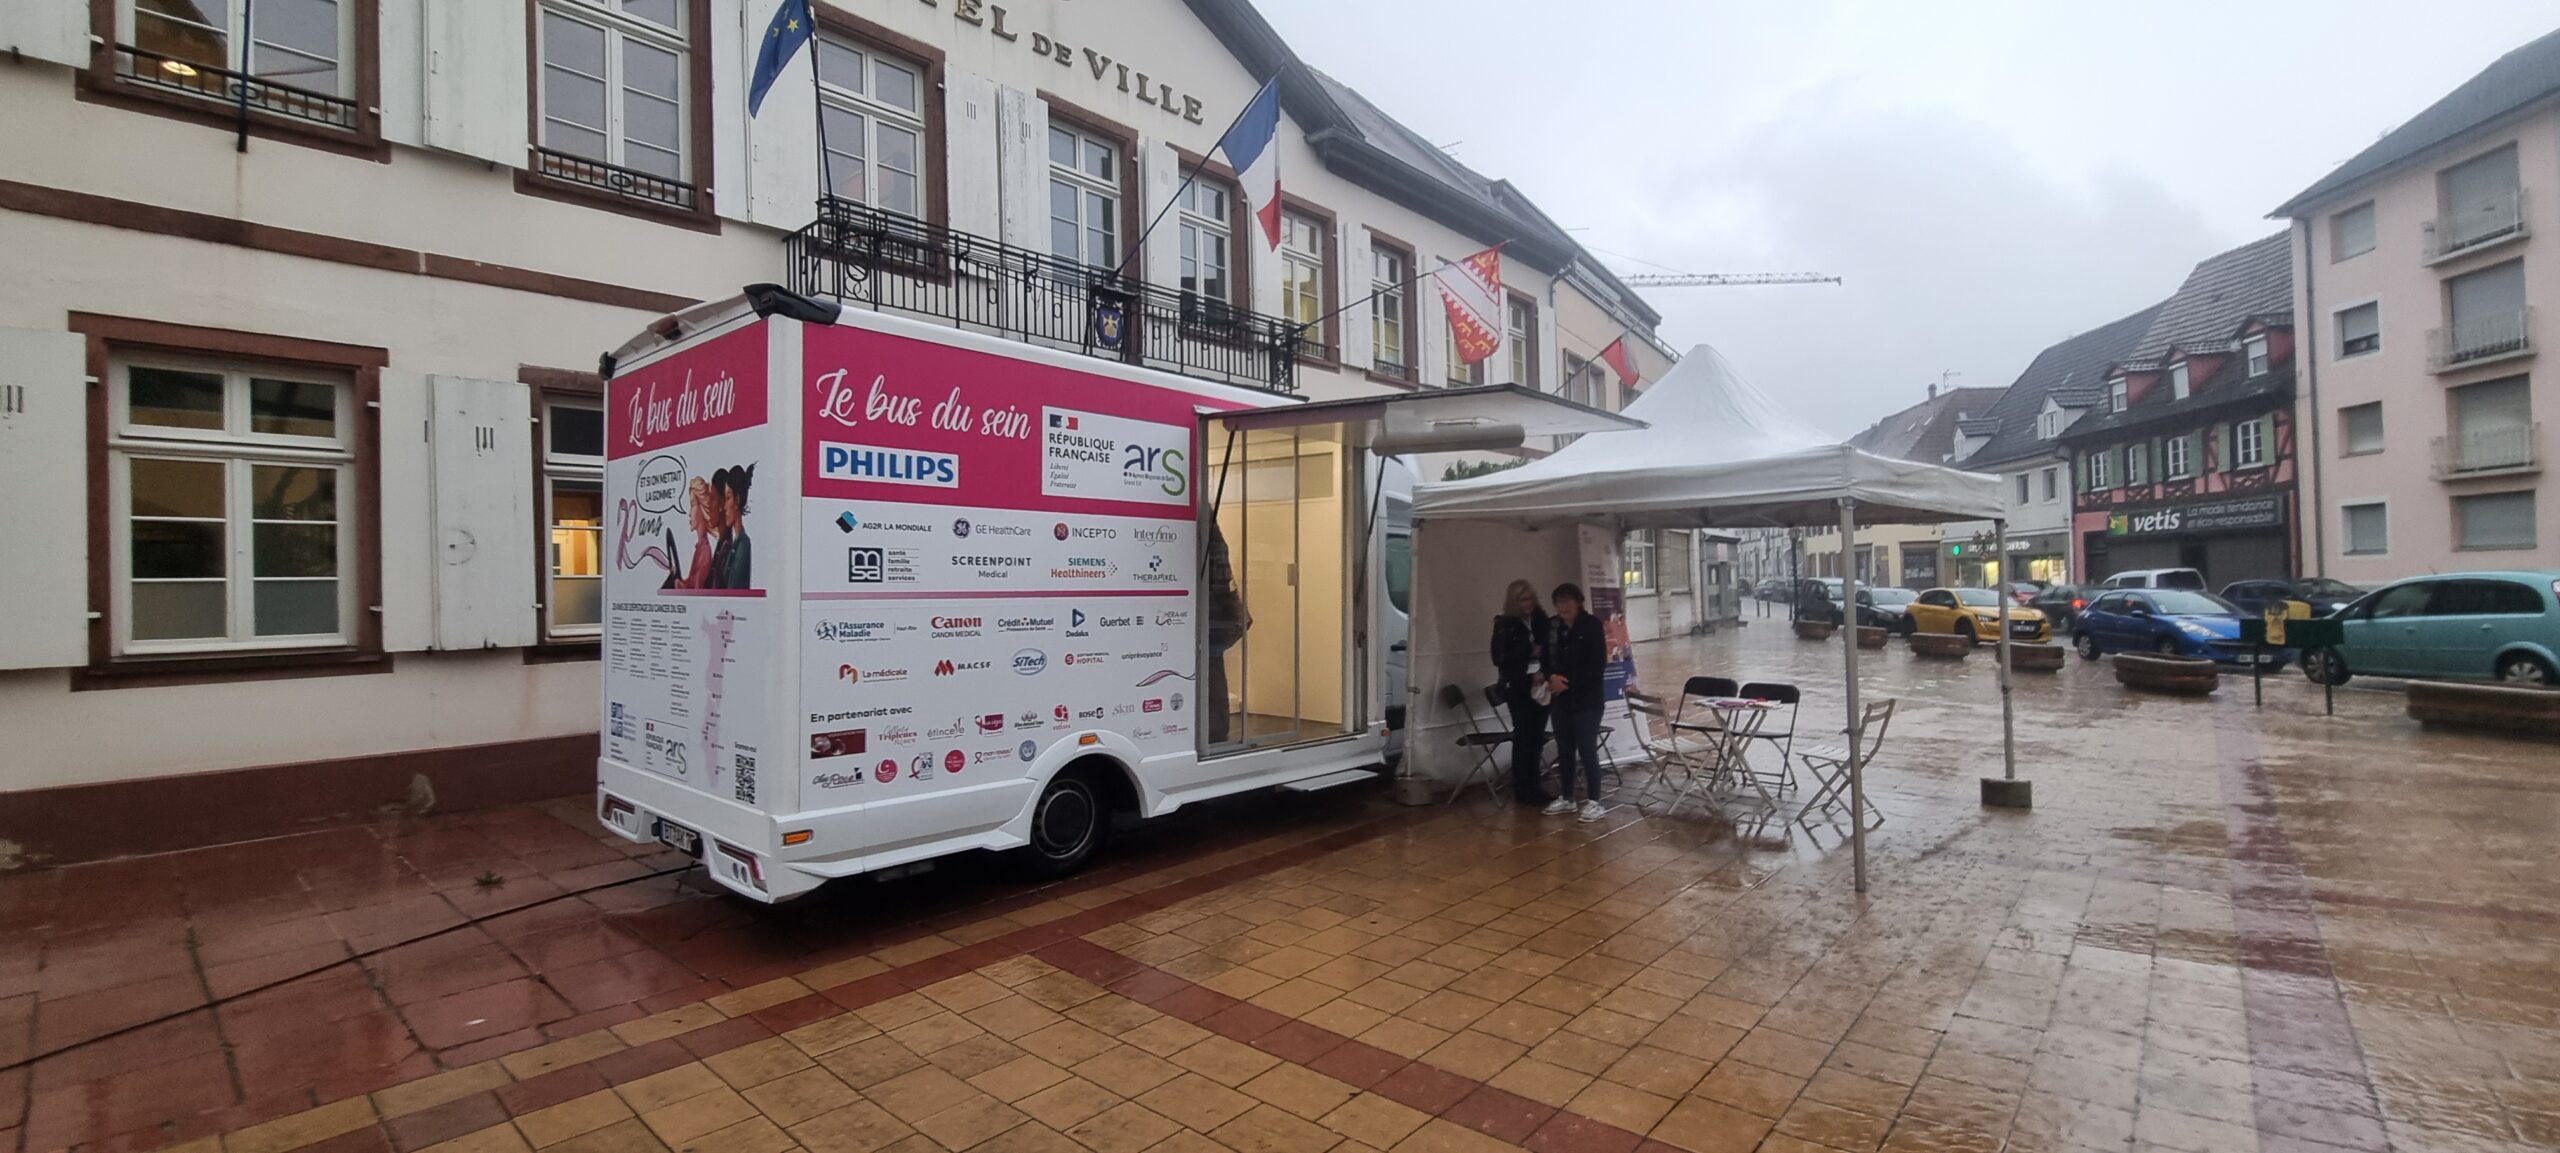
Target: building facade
(2420,262)
(300,334)
(2186,454)
(1902,554)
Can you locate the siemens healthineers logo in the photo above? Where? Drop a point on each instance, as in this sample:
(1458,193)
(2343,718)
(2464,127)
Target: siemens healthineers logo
(867,462)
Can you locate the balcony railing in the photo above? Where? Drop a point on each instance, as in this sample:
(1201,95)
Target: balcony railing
(614,178)
(896,263)
(2500,217)
(225,87)
(2489,451)
(2479,339)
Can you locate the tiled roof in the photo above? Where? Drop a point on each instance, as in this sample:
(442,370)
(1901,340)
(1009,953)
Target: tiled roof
(2231,387)
(1926,431)
(2511,82)
(2067,371)
(1978,426)
(2224,290)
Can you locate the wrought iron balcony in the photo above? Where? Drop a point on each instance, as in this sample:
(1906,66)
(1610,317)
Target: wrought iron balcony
(2488,452)
(2500,218)
(892,262)
(2476,340)
(228,88)
(614,178)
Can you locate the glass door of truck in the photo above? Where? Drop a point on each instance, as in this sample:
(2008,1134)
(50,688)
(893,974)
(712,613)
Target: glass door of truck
(1275,588)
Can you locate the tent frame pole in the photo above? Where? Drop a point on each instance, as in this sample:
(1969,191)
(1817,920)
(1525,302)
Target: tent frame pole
(2008,721)
(1857,771)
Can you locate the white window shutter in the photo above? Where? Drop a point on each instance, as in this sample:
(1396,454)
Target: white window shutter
(969,111)
(1358,338)
(1022,150)
(730,69)
(1160,174)
(482,435)
(55,30)
(475,102)
(782,147)
(44,458)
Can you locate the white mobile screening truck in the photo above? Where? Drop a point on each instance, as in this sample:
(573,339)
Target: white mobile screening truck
(879,591)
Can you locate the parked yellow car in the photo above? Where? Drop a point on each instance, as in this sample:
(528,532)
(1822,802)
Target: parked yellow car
(1976,614)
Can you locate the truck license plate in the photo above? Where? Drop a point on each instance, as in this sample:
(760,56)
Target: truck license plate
(679,838)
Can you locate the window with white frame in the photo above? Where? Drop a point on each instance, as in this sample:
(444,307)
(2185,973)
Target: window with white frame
(874,107)
(2098,472)
(1638,576)
(2022,488)
(2052,482)
(232,486)
(2360,427)
(2178,388)
(2119,394)
(2137,464)
(2048,424)
(2367,528)
(1302,245)
(613,83)
(2179,459)
(1520,340)
(304,43)
(1459,372)
(2351,232)
(1389,269)
(1207,239)
(1084,197)
(572,441)
(2254,351)
(2249,443)
(2359,330)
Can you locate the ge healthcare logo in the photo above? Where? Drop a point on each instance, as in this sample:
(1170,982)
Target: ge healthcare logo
(1177,702)
(960,527)
(866,566)
(1029,750)
(1030,662)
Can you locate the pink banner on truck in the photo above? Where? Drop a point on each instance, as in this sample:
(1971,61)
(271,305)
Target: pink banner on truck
(703,391)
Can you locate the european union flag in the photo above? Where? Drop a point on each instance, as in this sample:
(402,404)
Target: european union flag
(790,29)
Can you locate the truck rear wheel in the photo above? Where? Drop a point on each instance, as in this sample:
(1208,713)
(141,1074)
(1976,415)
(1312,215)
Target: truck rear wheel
(1067,824)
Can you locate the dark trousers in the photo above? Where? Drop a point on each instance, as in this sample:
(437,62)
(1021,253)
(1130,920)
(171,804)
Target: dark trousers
(1577,739)
(1528,741)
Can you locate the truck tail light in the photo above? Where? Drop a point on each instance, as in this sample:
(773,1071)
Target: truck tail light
(612,807)
(741,864)
(800,837)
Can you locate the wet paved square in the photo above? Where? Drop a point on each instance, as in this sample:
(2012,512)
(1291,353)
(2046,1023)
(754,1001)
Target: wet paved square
(2220,929)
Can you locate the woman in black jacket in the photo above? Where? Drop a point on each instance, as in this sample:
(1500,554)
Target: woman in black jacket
(1577,662)
(1519,648)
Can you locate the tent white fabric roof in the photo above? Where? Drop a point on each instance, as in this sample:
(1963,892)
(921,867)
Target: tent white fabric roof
(1717,453)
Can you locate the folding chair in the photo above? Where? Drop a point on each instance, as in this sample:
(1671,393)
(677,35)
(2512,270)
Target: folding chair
(1478,739)
(1679,764)
(1696,687)
(1780,730)
(1830,765)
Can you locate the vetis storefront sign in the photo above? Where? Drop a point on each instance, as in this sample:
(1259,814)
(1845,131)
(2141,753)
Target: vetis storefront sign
(2201,516)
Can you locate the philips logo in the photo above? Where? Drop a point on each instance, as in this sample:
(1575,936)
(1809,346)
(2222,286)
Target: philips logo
(865,462)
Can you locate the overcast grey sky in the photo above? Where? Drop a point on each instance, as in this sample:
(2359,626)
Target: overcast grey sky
(1988,177)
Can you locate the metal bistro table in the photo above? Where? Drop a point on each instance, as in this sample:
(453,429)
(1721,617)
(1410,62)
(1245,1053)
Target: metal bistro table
(1732,724)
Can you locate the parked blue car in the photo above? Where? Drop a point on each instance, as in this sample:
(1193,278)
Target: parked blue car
(2171,622)
(2472,626)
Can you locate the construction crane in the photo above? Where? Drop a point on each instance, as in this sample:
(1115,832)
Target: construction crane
(1723,279)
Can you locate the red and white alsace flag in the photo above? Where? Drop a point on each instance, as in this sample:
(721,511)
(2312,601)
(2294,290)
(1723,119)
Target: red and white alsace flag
(1618,360)
(1472,288)
(1252,145)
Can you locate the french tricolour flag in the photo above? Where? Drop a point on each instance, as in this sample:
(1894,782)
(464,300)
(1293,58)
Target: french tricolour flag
(1253,147)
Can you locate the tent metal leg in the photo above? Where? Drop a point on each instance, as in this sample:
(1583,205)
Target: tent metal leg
(1857,771)
(2008,792)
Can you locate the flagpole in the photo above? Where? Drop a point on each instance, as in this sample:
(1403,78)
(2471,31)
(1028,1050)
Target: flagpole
(1139,241)
(818,102)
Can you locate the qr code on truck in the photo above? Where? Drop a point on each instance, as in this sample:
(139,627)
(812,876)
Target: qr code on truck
(745,764)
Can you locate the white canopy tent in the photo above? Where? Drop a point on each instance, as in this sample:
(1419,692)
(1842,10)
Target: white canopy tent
(1715,453)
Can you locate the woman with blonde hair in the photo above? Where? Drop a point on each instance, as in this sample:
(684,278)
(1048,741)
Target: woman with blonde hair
(1519,650)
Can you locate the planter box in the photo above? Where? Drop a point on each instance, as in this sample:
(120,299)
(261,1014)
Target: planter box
(2493,708)
(1816,630)
(1945,646)
(2174,676)
(2036,658)
(1870,637)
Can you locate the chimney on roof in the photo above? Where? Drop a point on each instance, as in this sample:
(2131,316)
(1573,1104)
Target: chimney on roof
(1933,392)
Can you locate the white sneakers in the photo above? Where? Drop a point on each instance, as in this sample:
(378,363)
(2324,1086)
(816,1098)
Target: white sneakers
(1586,812)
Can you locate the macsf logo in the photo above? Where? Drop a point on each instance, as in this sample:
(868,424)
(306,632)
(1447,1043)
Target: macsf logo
(942,668)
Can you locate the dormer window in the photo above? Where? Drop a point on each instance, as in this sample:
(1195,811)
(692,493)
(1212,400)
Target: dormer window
(2118,395)
(2178,386)
(2256,349)
(2049,424)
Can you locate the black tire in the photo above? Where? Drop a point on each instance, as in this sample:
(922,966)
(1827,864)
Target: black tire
(1068,823)
(1965,629)
(2525,670)
(2085,645)
(2166,647)
(1905,626)
(2325,667)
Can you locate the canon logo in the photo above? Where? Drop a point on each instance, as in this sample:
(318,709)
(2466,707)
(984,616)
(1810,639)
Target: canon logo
(959,622)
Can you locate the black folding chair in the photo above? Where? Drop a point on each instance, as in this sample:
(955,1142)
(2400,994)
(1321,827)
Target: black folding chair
(1696,687)
(1781,735)
(1481,740)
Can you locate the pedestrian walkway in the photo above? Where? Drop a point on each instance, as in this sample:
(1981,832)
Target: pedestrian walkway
(2219,930)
